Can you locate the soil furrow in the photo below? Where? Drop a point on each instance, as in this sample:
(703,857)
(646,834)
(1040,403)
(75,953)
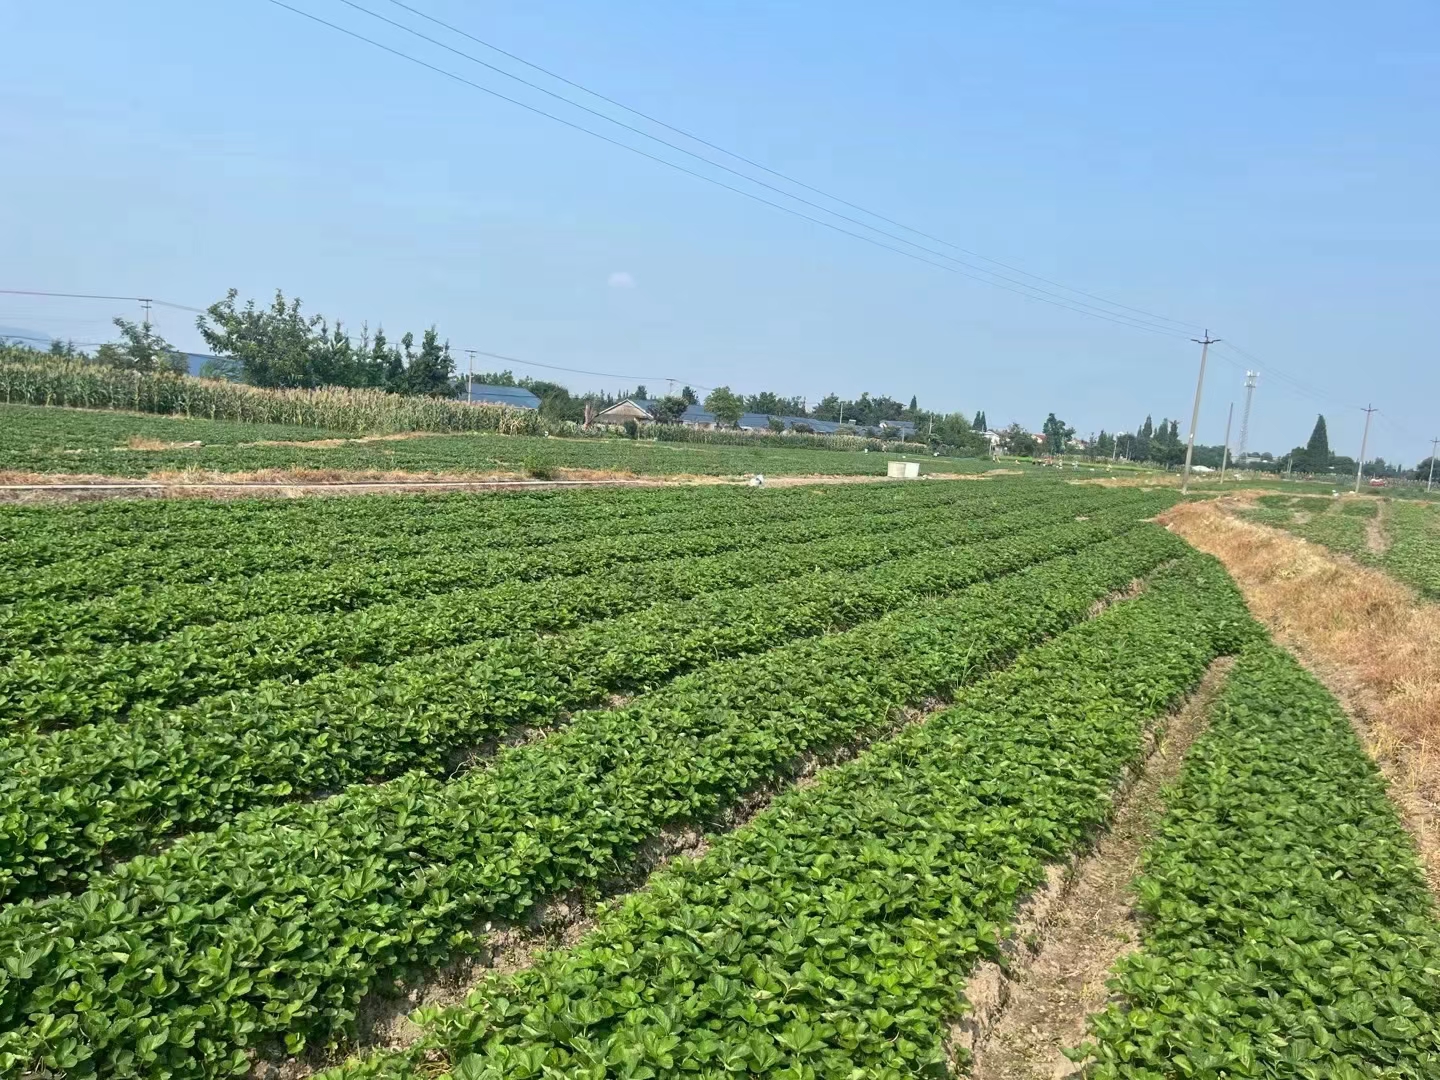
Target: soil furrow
(1071,933)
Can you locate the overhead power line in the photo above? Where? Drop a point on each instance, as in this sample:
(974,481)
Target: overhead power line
(98,296)
(1027,291)
(726,168)
(1179,323)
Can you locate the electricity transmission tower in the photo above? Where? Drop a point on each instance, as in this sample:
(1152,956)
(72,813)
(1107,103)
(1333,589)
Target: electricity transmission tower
(1251,377)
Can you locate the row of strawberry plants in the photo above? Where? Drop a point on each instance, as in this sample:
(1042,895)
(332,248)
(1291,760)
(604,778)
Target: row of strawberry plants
(1288,928)
(831,935)
(120,557)
(73,801)
(252,563)
(282,921)
(76,688)
(133,616)
(39,535)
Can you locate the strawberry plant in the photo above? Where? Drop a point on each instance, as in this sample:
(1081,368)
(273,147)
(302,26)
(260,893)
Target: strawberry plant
(279,922)
(1289,931)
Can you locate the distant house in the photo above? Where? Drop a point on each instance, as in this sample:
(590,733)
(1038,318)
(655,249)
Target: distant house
(517,397)
(629,409)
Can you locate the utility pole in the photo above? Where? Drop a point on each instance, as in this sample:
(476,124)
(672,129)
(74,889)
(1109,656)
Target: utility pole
(470,378)
(145,304)
(1225,453)
(1251,377)
(1433,444)
(1204,344)
(1364,439)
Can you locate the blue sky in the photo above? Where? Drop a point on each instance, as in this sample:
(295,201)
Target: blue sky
(1267,170)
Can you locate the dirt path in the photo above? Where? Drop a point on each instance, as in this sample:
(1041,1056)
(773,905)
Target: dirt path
(39,487)
(1362,633)
(1073,932)
(1377,531)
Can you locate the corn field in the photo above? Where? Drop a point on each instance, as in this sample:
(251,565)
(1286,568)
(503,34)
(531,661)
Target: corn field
(88,386)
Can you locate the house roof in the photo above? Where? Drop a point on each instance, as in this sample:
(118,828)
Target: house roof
(694,414)
(517,397)
(619,408)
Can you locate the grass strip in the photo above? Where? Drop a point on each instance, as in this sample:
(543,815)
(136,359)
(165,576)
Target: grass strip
(283,921)
(1289,932)
(72,801)
(831,936)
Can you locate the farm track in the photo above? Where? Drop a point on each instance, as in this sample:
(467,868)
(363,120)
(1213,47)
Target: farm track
(330,899)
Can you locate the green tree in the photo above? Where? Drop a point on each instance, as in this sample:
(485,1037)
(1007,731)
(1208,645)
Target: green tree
(1056,433)
(431,371)
(1016,440)
(140,348)
(914,409)
(979,423)
(668,410)
(726,406)
(775,424)
(1318,448)
(689,396)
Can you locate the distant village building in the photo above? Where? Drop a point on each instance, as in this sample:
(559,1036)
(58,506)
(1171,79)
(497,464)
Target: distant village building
(624,410)
(643,410)
(517,397)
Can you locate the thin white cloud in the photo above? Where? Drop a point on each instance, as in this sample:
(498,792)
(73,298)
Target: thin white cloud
(622,279)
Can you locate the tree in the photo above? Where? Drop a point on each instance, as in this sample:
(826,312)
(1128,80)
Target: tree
(1016,440)
(431,371)
(726,406)
(141,349)
(979,423)
(689,396)
(775,424)
(1318,448)
(1056,433)
(1422,471)
(668,410)
(914,409)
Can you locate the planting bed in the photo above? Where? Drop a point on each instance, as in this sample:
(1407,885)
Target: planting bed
(262,764)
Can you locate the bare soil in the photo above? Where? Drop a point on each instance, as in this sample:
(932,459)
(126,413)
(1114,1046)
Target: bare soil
(1073,930)
(1377,534)
(294,483)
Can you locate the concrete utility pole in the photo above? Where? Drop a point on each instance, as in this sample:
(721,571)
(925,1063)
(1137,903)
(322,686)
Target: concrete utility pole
(470,378)
(1433,444)
(1225,453)
(145,304)
(1365,438)
(1251,377)
(1204,344)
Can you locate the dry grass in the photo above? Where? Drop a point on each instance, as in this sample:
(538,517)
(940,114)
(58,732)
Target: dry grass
(143,442)
(1364,634)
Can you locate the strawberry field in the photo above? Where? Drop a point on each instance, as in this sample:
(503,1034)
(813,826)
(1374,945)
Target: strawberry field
(263,763)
